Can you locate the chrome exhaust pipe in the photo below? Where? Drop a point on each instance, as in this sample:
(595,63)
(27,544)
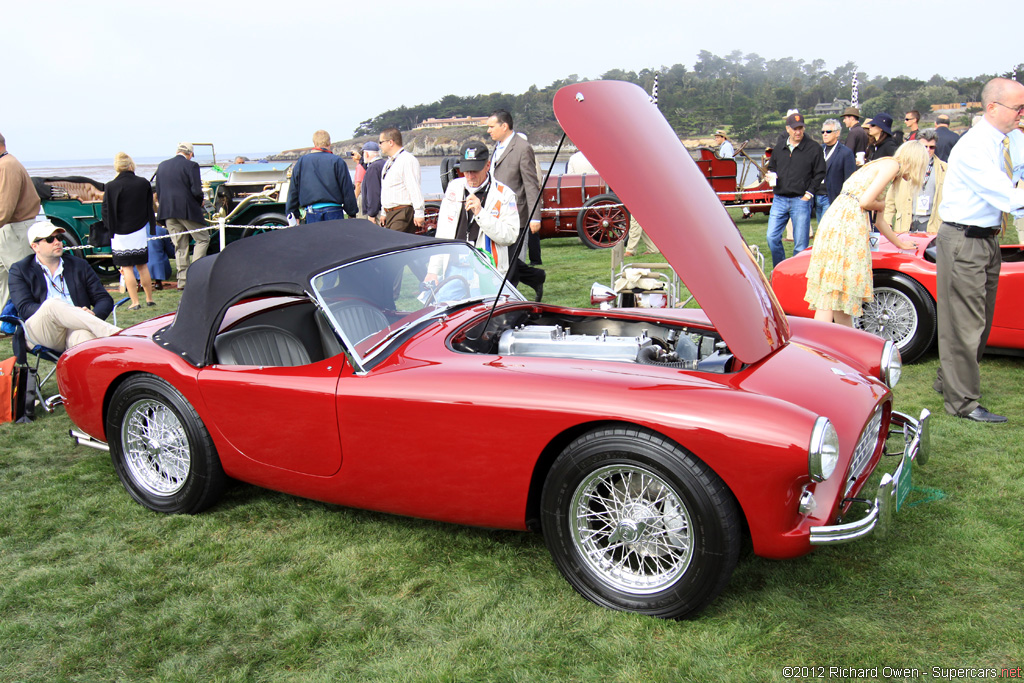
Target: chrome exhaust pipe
(86,440)
(50,403)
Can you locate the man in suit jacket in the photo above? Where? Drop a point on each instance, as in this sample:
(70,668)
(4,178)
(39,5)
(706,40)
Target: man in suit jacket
(944,138)
(179,193)
(839,165)
(514,163)
(60,298)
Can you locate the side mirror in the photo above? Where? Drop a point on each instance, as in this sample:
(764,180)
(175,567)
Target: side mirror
(601,294)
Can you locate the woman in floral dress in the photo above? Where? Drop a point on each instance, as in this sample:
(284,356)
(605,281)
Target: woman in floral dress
(839,274)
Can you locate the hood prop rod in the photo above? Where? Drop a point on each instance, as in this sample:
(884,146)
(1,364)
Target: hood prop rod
(519,242)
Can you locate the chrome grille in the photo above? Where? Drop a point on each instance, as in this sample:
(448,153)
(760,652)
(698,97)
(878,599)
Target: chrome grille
(865,448)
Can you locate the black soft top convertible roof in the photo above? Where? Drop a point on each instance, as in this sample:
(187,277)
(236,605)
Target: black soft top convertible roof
(277,262)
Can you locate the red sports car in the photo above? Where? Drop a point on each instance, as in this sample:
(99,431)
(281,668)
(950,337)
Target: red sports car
(904,286)
(641,443)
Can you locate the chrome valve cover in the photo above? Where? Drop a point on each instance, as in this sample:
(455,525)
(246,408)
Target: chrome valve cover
(554,341)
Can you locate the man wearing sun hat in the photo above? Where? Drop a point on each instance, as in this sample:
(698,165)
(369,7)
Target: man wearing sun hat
(59,296)
(725,148)
(857,138)
(478,209)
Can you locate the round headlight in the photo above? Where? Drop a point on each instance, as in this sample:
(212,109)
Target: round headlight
(823,453)
(892,365)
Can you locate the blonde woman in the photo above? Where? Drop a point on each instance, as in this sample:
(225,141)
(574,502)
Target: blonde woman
(839,273)
(128,214)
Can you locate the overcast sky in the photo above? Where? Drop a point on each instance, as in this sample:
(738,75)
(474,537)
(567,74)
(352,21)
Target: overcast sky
(88,79)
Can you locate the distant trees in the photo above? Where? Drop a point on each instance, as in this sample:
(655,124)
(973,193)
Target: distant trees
(742,92)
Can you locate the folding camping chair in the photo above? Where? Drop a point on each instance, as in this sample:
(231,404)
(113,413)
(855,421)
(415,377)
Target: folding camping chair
(20,346)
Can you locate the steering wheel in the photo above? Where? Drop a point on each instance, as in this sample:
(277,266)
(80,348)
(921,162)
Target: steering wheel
(442,283)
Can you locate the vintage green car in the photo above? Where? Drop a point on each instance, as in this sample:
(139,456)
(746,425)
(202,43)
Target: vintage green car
(247,198)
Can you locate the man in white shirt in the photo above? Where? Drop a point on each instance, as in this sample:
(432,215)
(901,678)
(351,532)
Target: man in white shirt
(401,197)
(979,194)
(725,149)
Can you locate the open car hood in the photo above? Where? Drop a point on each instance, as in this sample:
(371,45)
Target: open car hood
(635,150)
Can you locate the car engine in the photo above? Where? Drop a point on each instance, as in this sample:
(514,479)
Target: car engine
(648,345)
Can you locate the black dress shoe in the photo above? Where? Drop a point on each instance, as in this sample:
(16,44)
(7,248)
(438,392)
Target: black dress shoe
(538,286)
(979,414)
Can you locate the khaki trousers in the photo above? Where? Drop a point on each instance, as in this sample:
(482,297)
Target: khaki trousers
(636,234)
(178,229)
(60,326)
(967,271)
(13,247)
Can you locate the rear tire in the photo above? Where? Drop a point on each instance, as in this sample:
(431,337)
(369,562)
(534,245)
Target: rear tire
(636,523)
(162,452)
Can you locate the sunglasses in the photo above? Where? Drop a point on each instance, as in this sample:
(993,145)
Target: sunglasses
(49,240)
(910,118)
(827,132)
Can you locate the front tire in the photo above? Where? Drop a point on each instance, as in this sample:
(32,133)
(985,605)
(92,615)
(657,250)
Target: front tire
(162,452)
(636,523)
(902,312)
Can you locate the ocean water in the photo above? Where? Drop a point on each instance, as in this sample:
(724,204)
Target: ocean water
(102,170)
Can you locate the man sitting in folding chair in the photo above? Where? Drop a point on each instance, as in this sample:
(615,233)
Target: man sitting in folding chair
(60,299)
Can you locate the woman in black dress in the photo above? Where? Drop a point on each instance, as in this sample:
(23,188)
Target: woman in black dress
(128,214)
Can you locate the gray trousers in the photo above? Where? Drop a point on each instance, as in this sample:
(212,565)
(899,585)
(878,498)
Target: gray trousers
(968,274)
(179,229)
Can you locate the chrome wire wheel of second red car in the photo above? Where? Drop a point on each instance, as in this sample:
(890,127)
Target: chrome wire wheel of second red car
(632,528)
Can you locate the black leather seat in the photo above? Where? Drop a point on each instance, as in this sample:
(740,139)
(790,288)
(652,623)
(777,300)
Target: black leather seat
(359,319)
(328,338)
(260,345)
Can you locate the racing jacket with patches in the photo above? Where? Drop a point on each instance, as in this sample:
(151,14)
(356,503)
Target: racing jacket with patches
(498,221)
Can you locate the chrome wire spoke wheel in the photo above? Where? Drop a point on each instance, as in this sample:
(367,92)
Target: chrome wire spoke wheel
(156,448)
(891,316)
(631,528)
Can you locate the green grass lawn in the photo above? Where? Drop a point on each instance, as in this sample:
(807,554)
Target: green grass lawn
(268,587)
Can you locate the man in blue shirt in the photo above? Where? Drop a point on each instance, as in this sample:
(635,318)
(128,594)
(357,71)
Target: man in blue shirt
(322,184)
(980,193)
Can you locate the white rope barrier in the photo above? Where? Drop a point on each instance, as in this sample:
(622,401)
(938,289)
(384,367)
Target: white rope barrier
(221,228)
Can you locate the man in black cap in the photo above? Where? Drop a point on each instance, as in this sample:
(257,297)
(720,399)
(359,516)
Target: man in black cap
(478,209)
(944,137)
(857,138)
(799,167)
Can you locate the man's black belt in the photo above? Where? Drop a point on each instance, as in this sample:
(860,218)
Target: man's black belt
(974,230)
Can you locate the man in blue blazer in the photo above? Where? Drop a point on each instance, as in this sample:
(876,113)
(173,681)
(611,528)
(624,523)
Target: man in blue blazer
(179,193)
(60,298)
(839,165)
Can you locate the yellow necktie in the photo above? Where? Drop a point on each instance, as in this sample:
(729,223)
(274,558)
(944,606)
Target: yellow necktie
(1008,167)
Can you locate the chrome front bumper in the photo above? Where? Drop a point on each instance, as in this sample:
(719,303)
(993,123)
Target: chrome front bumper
(917,447)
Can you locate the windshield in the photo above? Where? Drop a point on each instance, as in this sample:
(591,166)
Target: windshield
(371,302)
